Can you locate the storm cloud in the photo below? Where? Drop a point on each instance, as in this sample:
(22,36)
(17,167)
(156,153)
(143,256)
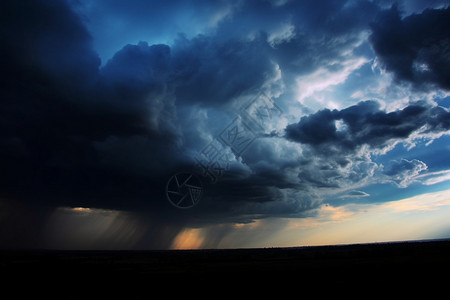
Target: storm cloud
(68,126)
(96,116)
(77,131)
(342,142)
(80,134)
(365,124)
(415,48)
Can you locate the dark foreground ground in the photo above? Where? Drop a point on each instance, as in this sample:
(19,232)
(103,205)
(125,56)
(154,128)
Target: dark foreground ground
(412,264)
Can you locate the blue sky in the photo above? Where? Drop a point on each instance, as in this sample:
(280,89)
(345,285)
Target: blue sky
(306,122)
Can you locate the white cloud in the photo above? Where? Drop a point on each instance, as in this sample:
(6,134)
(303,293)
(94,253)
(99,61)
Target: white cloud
(404,172)
(355,194)
(323,79)
(434,177)
(281,35)
(424,202)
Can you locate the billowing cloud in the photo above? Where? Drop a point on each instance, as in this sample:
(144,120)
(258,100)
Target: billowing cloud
(341,142)
(73,132)
(212,71)
(102,103)
(415,49)
(405,171)
(115,23)
(365,124)
(84,135)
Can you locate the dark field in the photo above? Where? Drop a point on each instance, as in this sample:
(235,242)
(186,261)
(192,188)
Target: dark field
(361,264)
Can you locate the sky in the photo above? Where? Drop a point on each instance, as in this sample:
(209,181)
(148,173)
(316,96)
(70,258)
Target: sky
(193,124)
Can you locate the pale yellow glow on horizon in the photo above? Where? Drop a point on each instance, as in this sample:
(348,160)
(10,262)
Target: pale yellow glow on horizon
(253,225)
(419,217)
(325,214)
(81,209)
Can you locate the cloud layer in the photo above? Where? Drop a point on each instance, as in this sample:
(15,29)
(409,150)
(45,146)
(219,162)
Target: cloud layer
(81,132)
(365,124)
(414,48)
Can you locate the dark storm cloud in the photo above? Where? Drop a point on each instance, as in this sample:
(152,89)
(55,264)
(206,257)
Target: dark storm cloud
(416,48)
(78,133)
(117,23)
(212,71)
(141,66)
(339,143)
(67,129)
(303,35)
(75,131)
(365,124)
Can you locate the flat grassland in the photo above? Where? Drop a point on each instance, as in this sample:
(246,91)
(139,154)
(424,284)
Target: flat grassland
(412,262)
